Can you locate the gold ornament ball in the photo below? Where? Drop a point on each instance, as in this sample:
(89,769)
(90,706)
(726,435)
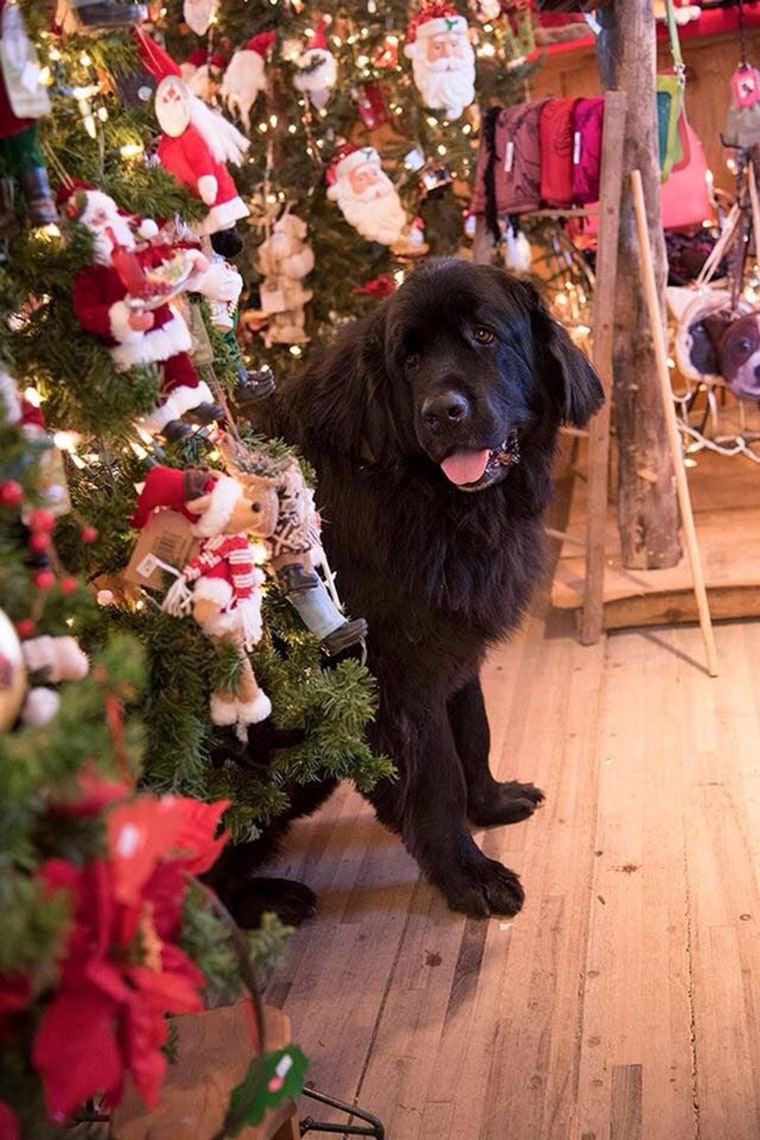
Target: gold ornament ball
(12,673)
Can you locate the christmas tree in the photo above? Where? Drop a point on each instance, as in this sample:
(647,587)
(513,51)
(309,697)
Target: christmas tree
(174,655)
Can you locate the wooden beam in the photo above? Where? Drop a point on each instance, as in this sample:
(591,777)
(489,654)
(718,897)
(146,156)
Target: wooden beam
(603,342)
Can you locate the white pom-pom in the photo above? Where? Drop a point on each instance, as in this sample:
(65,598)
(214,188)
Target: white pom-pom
(148,229)
(517,254)
(40,707)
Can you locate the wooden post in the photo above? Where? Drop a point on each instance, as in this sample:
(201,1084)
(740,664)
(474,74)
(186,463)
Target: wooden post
(603,344)
(674,439)
(647,506)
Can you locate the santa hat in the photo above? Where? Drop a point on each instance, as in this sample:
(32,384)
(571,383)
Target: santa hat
(260,43)
(318,39)
(226,142)
(433,20)
(196,58)
(166,487)
(349,157)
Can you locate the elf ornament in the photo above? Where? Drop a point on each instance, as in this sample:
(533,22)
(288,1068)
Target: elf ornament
(283,260)
(222,285)
(245,77)
(317,71)
(23,100)
(443,61)
(365,194)
(113,301)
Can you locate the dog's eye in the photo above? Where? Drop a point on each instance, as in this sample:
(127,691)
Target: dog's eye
(744,346)
(483,335)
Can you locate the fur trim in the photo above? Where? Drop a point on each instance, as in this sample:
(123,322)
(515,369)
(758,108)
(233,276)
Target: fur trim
(160,417)
(186,398)
(213,590)
(118,322)
(224,496)
(154,346)
(251,712)
(223,711)
(223,215)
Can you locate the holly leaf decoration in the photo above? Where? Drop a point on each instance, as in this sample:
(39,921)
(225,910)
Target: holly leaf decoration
(271,1079)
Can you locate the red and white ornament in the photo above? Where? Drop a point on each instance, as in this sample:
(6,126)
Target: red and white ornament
(317,71)
(245,77)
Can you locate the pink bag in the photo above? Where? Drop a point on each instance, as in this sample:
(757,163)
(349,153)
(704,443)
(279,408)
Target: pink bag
(588,120)
(684,197)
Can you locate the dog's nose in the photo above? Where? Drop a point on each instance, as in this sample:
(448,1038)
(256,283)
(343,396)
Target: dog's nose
(446,408)
(757,373)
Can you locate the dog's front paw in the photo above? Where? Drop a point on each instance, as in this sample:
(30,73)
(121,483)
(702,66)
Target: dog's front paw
(290,900)
(483,888)
(508,802)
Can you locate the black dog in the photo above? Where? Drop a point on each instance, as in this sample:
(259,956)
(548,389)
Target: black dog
(432,426)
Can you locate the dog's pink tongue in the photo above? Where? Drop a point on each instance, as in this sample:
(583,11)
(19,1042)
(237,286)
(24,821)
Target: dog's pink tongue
(465,466)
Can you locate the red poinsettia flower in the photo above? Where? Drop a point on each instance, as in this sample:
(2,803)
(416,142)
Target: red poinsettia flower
(122,971)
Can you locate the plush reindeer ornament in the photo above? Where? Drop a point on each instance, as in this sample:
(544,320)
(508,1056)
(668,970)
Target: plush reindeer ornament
(220,586)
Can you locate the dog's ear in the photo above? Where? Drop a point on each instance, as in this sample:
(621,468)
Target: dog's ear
(570,376)
(341,401)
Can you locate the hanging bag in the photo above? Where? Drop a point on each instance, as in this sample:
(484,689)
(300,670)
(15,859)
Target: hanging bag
(670,96)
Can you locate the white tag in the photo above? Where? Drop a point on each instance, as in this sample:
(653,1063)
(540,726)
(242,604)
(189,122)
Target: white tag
(147,566)
(509,157)
(576,147)
(30,76)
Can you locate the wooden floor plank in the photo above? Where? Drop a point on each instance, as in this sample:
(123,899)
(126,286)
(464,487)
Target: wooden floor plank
(623,1003)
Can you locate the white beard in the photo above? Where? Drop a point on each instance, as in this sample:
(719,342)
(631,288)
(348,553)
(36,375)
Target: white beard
(378,219)
(103,243)
(317,84)
(241,84)
(442,90)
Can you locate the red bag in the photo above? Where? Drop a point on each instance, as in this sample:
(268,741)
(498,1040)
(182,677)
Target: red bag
(556,141)
(588,121)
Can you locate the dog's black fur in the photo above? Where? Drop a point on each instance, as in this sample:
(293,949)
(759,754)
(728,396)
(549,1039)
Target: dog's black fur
(462,358)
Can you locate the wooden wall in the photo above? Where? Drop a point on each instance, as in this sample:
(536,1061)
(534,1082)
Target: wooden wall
(710,62)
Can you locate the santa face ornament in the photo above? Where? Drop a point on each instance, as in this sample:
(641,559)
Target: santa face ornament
(443,61)
(172,109)
(367,198)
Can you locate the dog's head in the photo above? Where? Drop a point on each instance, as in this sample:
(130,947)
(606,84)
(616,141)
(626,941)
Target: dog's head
(461,368)
(737,343)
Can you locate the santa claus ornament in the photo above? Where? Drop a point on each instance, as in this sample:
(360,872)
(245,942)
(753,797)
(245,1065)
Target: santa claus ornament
(245,77)
(317,70)
(365,194)
(443,60)
(197,142)
(123,298)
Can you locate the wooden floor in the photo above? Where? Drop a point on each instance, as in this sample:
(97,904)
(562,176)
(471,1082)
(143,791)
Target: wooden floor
(624,1001)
